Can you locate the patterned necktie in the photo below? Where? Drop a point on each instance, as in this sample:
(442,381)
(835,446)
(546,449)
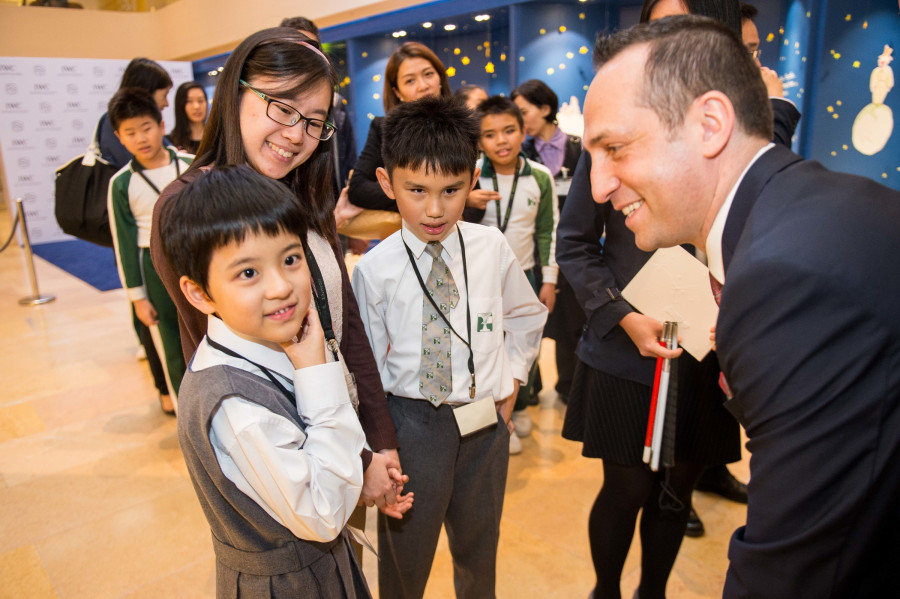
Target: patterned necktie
(716,287)
(435,373)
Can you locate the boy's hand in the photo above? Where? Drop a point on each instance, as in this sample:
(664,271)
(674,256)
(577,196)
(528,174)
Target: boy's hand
(478,198)
(309,350)
(505,407)
(400,507)
(145,312)
(379,487)
(547,295)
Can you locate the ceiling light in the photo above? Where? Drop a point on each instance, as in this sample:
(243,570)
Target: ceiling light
(483,18)
(427,24)
(449,27)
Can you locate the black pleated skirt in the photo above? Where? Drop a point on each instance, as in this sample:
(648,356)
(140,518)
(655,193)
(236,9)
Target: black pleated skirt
(609,415)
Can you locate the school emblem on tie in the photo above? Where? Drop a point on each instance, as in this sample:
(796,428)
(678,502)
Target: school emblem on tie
(435,371)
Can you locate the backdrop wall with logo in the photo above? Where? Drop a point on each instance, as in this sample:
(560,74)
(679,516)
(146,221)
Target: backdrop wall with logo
(49,109)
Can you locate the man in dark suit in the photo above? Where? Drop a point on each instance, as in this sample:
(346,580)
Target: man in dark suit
(808,333)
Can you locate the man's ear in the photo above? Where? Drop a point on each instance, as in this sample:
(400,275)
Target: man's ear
(119,137)
(714,115)
(384,179)
(475,175)
(196,296)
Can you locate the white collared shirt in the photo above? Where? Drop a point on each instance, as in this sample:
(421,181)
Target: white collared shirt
(308,482)
(507,318)
(714,238)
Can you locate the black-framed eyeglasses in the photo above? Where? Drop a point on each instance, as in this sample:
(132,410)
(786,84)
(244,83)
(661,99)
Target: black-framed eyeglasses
(287,115)
(756,53)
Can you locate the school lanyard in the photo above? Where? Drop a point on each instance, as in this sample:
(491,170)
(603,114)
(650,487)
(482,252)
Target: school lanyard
(320,296)
(467,342)
(512,194)
(150,183)
(284,391)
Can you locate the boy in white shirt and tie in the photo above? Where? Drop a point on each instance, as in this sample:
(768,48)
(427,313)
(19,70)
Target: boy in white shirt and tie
(454,326)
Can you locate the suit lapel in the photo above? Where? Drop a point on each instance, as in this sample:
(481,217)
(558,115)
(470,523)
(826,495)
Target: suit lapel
(775,160)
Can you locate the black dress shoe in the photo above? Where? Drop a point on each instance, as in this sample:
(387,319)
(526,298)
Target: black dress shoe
(694,526)
(718,480)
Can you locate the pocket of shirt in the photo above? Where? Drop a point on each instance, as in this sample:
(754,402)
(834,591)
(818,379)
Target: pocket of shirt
(487,323)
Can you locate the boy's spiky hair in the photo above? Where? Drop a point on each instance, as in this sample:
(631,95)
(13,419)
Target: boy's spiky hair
(499,105)
(437,133)
(131,102)
(221,206)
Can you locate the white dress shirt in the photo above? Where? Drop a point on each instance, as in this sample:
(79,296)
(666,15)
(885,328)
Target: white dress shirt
(390,304)
(308,482)
(714,237)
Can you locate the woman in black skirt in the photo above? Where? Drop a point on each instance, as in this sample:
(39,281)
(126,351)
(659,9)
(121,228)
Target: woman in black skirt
(610,399)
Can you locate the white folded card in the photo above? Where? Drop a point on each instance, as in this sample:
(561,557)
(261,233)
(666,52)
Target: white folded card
(674,285)
(475,416)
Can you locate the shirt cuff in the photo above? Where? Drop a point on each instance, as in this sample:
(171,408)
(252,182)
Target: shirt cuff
(549,274)
(136,293)
(519,372)
(321,386)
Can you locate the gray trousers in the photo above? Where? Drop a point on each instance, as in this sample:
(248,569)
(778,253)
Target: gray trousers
(459,483)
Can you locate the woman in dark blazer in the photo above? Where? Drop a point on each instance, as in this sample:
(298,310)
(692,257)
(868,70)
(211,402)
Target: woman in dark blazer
(413,71)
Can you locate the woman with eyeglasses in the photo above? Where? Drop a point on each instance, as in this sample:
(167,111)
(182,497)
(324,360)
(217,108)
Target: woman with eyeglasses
(271,111)
(413,72)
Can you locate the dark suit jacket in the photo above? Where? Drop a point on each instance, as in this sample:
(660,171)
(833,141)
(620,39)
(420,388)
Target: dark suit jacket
(597,272)
(365,191)
(809,339)
(786,117)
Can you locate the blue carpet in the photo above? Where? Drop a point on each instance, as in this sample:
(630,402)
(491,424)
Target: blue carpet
(93,264)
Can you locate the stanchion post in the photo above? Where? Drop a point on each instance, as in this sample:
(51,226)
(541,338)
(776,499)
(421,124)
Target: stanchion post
(36,298)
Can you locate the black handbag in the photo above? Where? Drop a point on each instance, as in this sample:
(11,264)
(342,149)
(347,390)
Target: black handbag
(82,191)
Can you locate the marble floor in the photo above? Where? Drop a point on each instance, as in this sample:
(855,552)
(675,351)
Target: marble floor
(95,501)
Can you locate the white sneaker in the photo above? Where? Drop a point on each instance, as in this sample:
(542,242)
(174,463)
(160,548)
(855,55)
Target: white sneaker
(515,446)
(522,422)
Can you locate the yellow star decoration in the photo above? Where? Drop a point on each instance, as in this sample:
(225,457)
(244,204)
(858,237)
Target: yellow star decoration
(465,60)
(451,72)
(489,67)
(456,51)
(562,28)
(376,78)
(583,50)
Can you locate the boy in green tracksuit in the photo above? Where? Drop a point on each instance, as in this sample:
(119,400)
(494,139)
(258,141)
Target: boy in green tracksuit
(519,198)
(133,192)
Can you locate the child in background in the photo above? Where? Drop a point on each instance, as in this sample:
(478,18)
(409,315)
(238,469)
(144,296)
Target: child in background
(453,334)
(137,121)
(520,200)
(267,428)
(471,95)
